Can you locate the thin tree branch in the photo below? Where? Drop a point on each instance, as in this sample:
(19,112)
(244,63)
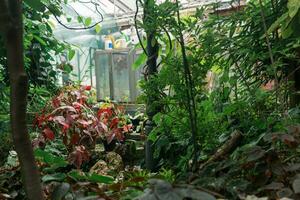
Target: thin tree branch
(190,89)
(136,27)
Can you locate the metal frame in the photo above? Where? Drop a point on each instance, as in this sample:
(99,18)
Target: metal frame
(121,5)
(126,19)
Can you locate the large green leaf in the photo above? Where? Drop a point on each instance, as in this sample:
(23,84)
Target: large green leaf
(296,186)
(97,28)
(76,175)
(71,54)
(96,178)
(139,61)
(35,4)
(54,177)
(40,40)
(286,33)
(278,22)
(88,21)
(80,19)
(68,68)
(60,191)
(293,6)
(164,190)
(192,193)
(50,159)
(100,179)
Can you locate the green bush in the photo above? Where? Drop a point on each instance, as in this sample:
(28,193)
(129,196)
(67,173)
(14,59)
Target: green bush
(5,146)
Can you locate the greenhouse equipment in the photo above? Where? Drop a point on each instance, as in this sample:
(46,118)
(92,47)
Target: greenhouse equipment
(115,78)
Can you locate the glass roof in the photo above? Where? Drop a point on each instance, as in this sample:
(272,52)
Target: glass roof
(116,19)
(118,9)
(114,15)
(106,7)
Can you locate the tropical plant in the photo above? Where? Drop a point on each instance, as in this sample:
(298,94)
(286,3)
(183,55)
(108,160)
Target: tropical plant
(251,77)
(70,116)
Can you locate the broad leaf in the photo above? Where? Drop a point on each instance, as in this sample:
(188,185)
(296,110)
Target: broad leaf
(255,153)
(193,194)
(49,134)
(71,54)
(296,186)
(96,178)
(97,28)
(88,21)
(293,6)
(50,159)
(60,191)
(54,177)
(40,40)
(139,61)
(100,179)
(278,22)
(80,19)
(35,4)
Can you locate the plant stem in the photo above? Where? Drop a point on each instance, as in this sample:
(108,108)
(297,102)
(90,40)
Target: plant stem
(269,46)
(190,88)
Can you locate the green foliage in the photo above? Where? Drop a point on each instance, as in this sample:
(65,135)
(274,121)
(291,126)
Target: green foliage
(139,61)
(172,136)
(288,22)
(5,145)
(55,169)
(163,190)
(233,47)
(244,96)
(259,167)
(50,159)
(40,44)
(94,178)
(248,89)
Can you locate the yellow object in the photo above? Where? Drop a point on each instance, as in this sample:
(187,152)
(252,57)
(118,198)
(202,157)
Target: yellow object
(112,39)
(120,44)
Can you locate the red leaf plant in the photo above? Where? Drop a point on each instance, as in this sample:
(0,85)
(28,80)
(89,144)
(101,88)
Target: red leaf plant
(117,123)
(78,156)
(69,117)
(48,134)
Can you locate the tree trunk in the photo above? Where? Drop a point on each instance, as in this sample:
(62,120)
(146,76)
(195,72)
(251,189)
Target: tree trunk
(19,88)
(294,79)
(297,87)
(152,106)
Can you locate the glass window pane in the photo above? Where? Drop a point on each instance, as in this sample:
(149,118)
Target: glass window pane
(121,77)
(102,75)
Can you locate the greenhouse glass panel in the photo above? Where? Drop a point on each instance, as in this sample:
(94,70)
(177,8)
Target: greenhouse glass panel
(103,76)
(120,72)
(115,77)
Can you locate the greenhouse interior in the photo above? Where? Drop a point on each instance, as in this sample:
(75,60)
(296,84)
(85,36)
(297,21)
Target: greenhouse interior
(150,99)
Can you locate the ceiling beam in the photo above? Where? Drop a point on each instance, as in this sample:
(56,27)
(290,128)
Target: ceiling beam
(122,6)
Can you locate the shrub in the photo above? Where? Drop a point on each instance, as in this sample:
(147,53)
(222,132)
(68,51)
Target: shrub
(5,146)
(70,116)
